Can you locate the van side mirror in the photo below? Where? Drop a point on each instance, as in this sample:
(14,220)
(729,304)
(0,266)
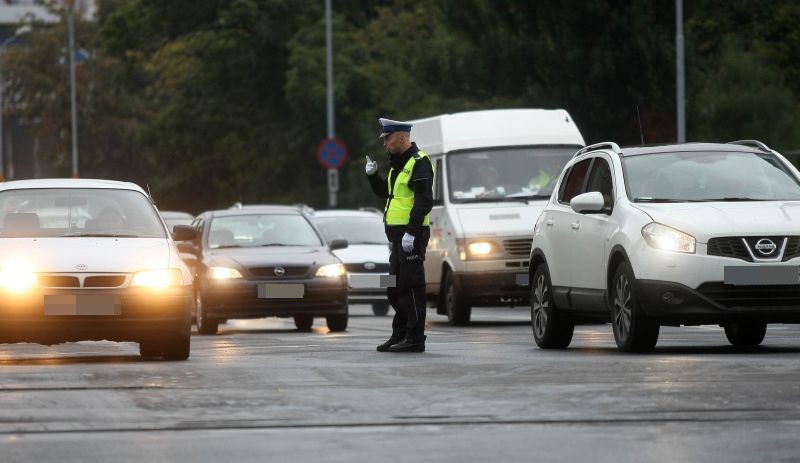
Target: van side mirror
(183,233)
(338,244)
(588,203)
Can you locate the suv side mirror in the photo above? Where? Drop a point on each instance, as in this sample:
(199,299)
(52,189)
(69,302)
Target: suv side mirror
(588,202)
(338,244)
(183,233)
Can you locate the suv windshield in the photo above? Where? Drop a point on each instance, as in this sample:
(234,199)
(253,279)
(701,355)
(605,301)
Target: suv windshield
(709,176)
(506,174)
(75,212)
(252,230)
(354,229)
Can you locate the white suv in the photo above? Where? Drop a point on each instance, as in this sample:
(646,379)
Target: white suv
(687,234)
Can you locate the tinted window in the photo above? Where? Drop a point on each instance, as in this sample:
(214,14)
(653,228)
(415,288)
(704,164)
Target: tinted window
(356,230)
(60,212)
(709,176)
(252,230)
(574,182)
(600,180)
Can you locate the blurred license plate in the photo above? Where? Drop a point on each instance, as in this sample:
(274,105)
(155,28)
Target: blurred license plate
(762,275)
(82,304)
(281,290)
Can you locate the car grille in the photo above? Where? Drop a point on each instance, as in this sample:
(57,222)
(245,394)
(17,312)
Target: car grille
(269,272)
(518,247)
(104,281)
(59,281)
(91,281)
(734,246)
(752,296)
(360,268)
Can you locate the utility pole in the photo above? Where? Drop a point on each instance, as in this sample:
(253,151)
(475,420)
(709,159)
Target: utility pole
(333,174)
(680,72)
(73,98)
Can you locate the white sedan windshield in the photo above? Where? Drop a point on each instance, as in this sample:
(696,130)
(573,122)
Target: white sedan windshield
(73,212)
(709,176)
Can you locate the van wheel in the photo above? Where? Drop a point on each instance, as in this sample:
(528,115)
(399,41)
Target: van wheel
(458,311)
(745,335)
(205,325)
(551,330)
(634,331)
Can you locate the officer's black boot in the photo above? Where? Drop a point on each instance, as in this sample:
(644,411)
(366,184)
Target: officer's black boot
(409,345)
(386,346)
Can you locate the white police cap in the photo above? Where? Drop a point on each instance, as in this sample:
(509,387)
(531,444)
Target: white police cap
(388,126)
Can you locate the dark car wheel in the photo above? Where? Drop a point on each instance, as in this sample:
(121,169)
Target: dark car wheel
(303,322)
(634,331)
(380,308)
(337,322)
(205,325)
(458,311)
(176,347)
(746,334)
(551,329)
(149,348)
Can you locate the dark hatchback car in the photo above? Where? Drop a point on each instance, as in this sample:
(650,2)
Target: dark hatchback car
(267,261)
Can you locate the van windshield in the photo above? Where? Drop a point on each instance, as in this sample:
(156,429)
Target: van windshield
(506,174)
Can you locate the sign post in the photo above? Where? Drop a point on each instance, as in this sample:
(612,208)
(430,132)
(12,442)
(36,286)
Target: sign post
(332,154)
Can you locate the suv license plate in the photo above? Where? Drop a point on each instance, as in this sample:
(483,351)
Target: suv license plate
(82,304)
(762,275)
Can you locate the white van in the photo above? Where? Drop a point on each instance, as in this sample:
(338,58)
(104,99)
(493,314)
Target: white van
(495,171)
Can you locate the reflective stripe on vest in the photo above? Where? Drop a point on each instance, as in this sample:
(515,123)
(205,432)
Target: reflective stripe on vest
(401,196)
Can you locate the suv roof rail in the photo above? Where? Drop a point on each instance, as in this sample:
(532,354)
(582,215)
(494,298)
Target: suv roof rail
(755,143)
(606,144)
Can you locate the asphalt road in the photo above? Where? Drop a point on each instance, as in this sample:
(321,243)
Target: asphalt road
(260,391)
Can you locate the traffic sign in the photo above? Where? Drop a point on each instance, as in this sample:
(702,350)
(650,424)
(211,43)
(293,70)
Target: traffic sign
(331,153)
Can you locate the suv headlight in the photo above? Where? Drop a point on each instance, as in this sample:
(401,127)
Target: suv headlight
(160,278)
(668,239)
(331,270)
(223,273)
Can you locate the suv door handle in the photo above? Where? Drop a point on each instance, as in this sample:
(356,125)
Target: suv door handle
(549,222)
(575,225)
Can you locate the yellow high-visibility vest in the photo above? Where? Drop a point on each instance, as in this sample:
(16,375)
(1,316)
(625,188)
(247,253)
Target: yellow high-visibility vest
(401,196)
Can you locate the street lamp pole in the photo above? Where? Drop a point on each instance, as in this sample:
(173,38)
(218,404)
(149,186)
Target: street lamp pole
(333,174)
(3,46)
(680,72)
(72,91)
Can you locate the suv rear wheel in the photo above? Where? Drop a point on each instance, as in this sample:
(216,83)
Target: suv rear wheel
(551,330)
(745,334)
(634,331)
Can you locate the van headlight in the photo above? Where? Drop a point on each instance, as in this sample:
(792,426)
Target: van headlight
(480,248)
(160,278)
(331,270)
(668,239)
(17,279)
(223,273)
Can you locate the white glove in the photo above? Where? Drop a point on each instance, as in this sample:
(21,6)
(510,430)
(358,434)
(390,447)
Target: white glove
(408,242)
(372,166)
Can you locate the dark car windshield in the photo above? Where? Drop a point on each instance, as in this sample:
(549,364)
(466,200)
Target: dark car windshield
(76,212)
(505,174)
(253,230)
(354,229)
(709,176)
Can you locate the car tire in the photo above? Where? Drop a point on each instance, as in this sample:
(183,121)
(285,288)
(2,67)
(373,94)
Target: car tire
(337,323)
(457,310)
(634,331)
(176,347)
(745,335)
(551,328)
(205,325)
(149,348)
(380,308)
(303,322)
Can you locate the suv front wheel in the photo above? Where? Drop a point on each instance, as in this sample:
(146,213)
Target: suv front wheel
(634,331)
(550,328)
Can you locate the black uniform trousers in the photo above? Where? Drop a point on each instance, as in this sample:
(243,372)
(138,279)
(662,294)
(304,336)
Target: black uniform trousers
(408,295)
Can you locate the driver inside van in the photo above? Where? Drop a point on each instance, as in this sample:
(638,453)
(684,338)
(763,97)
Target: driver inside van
(549,169)
(489,178)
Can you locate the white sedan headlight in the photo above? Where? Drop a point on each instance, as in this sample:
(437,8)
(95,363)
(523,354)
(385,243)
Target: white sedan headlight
(668,239)
(17,278)
(160,278)
(331,270)
(223,273)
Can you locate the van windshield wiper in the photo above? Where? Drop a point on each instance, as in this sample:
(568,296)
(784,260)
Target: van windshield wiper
(98,235)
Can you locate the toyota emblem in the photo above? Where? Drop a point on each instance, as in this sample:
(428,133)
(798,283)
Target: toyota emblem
(766,247)
(369,266)
(81,267)
(280,271)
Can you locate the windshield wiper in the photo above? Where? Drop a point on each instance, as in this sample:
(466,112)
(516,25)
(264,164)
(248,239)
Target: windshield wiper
(275,244)
(659,200)
(98,235)
(734,199)
(225,246)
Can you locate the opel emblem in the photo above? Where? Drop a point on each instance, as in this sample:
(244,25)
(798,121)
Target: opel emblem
(81,267)
(280,271)
(766,247)
(369,266)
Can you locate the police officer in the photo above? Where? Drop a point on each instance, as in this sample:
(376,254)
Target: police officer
(408,190)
